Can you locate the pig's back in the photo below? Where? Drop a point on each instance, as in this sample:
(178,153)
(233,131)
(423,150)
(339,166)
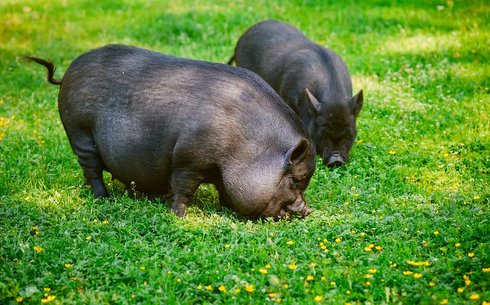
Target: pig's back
(264,48)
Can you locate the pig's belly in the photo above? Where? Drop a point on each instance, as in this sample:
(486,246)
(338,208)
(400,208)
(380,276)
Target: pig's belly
(138,161)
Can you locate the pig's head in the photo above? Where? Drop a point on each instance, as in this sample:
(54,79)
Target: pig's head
(333,125)
(297,169)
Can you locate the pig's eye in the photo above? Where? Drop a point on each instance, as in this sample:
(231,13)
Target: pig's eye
(295,181)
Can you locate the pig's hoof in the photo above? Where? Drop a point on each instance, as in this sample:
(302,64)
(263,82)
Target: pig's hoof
(98,188)
(179,209)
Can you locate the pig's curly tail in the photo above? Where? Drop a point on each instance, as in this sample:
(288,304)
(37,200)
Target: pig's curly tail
(48,66)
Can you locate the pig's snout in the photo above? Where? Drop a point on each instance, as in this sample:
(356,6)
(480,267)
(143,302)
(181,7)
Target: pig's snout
(335,160)
(299,206)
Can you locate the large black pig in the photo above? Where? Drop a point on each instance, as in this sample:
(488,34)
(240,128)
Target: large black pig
(164,124)
(312,79)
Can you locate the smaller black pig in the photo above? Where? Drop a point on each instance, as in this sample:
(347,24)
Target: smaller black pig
(164,124)
(312,79)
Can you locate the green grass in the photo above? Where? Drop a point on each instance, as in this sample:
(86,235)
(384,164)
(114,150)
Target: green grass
(417,188)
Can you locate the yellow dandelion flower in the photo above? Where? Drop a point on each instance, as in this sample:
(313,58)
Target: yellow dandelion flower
(309,278)
(348,303)
(347,292)
(142,268)
(278,300)
(48,299)
(323,278)
(471,254)
(432,284)
(145,283)
(486,269)
(237,290)
(179,280)
(73,278)
(379,248)
(476,198)
(68,266)
(105,222)
(467,280)
(368,283)
(199,287)
(333,283)
(353,232)
(436,232)
(407,272)
(368,276)
(19,299)
(444,301)
(441,166)
(227,246)
(457,245)
(285,286)
(363,234)
(208,287)
(460,289)
(268,266)
(95,221)
(272,295)
(290,242)
(417,275)
(263,271)
(392,152)
(318,298)
(368,249)
(485,303)
(372,270)
(338,239)
(293,267)
(88,237)
(38,249)
(249,288)
(222,288)
(474,296)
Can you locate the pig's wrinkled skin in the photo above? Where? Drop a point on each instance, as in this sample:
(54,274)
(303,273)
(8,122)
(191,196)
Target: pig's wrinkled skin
(312,79)
(163,124)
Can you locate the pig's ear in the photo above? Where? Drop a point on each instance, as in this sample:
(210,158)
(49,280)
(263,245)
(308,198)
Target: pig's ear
(312,101)
(297,153)
(357,102)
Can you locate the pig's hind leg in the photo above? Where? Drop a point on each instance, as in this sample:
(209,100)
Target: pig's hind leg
(89,159)
(184,183)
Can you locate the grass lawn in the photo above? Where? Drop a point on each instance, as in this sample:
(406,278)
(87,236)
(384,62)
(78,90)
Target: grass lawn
(407,221)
